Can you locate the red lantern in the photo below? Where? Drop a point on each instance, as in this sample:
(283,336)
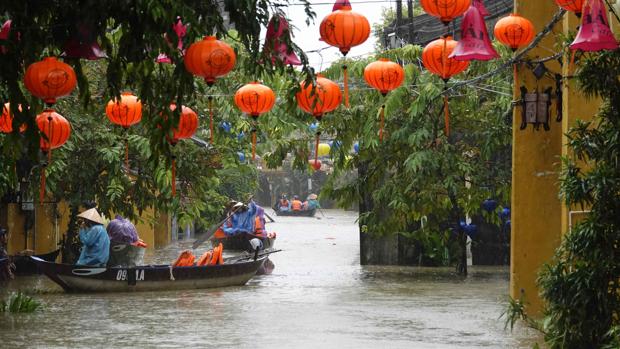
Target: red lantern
(6,119)
(5,30)
(56,131)
(480,6)
(316,164)
(49,79)
(384,76)
(209,58)
(514,31)
(254,99)
(317,100)
(594,33)
(340,4)
(435,58)
(180,30)
(344,29)
(83,44)
(445,10)
(575,6)
(186,128)
(475,43)
(126,112)
(275,46)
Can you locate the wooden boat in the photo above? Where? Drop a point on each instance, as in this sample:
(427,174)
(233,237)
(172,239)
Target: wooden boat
(304,213)
(241,242)
(76,278)
(24,265)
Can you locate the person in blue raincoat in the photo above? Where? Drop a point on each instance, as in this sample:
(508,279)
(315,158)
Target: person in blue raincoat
(94,238)
(242,221)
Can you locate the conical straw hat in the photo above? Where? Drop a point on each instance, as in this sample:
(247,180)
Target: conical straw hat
(92,215)
(312,197)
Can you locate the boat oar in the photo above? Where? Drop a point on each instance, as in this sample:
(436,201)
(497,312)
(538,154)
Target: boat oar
(268,216)
(247,255)
(206,236)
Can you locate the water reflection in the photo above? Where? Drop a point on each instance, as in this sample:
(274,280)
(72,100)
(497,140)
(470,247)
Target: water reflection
(318,295)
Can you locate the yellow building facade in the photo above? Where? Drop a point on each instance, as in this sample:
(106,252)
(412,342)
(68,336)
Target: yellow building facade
(539,217)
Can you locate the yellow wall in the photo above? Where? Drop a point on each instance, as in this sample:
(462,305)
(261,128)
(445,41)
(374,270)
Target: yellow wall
(51,221)
(539,218)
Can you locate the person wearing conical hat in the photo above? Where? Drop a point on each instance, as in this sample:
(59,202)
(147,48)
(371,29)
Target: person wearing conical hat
(312,202)
(94,238)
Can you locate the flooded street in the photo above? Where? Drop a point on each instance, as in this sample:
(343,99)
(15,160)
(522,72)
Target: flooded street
(318,295)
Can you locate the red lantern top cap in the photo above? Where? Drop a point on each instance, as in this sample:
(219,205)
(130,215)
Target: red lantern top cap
(210,38)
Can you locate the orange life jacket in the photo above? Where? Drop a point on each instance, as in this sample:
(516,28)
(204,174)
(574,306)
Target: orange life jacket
(296,205)
(205,259)
(258,226)
(186,259)
(217,257)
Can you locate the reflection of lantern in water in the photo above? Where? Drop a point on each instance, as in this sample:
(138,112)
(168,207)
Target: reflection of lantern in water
(255,99)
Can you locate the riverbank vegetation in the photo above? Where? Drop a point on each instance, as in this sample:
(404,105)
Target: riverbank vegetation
(17,302)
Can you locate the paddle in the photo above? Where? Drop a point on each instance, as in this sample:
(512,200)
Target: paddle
(206,236)
(268,216)
(247,255)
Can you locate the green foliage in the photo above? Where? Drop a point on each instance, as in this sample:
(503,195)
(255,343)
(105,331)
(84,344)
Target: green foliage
(19,303)
(581,286)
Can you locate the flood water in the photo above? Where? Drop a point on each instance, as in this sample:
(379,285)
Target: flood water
(317,296)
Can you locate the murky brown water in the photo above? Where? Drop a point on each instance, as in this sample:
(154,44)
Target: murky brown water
(317,296)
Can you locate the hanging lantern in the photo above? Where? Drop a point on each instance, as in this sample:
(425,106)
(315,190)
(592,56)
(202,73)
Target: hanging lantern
(514,31)
(385,76)
(324,149)
(436,58)
(575,6)
(275,46)
(475,43)
(480,6)
(49,79)
(126,112)
(317,100)
(594,33)
(186,128)
(55,130)
(6,119)
(344,29)
(83,44)
(254,99)
(445,10)
(180,30)
(211,59)
(315,164)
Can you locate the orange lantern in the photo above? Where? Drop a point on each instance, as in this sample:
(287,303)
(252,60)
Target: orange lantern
(385,76)
(317,100)
(55,130)
(344,29)
(211,59)
(575,6)
(514,31)
(126,112)
(49,79)
(445,10)
(435,58)
(254,99)
(6,119)
(188,124)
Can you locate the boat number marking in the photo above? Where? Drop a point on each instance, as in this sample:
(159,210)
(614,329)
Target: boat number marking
(122,275)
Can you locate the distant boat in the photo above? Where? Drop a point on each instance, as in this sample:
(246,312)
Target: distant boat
(76,278)
(302,213)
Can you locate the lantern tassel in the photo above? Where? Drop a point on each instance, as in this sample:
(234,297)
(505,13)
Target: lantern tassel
(316,147)
(381,117)
(446,115)
(346,86)
(253,144)
(211,117)
(174,176)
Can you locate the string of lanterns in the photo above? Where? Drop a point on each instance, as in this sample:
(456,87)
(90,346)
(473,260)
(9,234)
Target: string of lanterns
(212,59)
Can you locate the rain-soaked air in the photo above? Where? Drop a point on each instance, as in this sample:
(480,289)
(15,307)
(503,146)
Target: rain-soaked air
(304,174)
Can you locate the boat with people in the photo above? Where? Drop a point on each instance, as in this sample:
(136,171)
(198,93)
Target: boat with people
(79,278)
(24,265)
(296,207)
